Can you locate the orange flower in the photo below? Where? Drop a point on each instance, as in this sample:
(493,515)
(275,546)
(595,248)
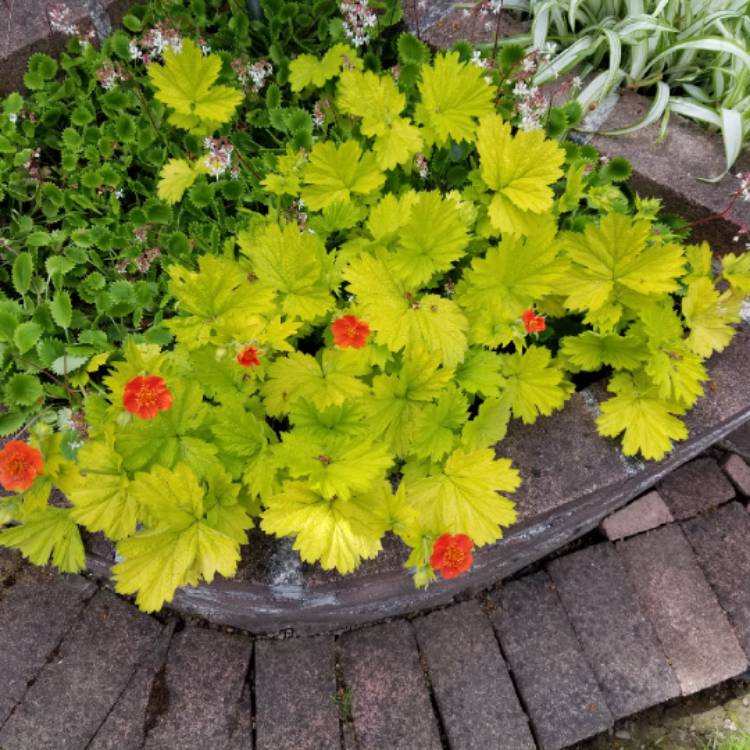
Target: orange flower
(147,395)
(532,322)
(249,357)
(350,331)
(451,554)
(19,466)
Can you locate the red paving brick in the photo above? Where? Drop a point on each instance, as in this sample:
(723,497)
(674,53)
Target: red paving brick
(738,472)
(619,643)
(35,614)
(391,705)
(646,513)
(695,487)
(295,691)
(673,592)
(551,672)
(199,698)
(474,693)
(124,727)
(721,544)
(74,692)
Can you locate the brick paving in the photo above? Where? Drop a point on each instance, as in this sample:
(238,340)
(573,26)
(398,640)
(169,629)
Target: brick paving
(545,660)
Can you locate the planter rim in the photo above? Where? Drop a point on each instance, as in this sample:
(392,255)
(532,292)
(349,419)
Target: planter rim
(308,605)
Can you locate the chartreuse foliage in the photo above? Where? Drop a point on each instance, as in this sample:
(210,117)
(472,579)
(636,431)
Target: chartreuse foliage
(337,445)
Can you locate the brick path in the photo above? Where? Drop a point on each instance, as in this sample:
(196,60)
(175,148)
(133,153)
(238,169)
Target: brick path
(543,661)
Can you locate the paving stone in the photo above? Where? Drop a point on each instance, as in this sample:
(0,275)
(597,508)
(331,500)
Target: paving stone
(669,168)
(643,514)
(739,473)
(674,594)
(556,684)
(35,614)
(473,690)
(739,441)
(391,705)
(720,541)
(560,457)
(76,689)
(695,487)
(295,690)
(619,643)
(124,727)
(197,704)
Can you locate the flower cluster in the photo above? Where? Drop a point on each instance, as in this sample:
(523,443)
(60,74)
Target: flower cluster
(59,16)
(452,555)
(153,43)
(422,166)
(318,115)
(20,464)
(219,157)
(256,74)
(532,322)
(249,357)
(358,20)
(298,214)
(349,331)
(744,189)
(531,105)
(147,395)
(108,75)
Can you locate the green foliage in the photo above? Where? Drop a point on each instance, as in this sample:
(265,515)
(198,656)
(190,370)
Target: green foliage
(411,203)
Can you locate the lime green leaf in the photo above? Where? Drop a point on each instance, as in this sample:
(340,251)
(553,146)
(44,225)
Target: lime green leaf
(157,562)
(296,266)
(328,382)
(510,278)
(336,533)
(344,420)
(736,270)
(614,265)
(534,384)
(437,425)
(400,317)
(186,83)
(453,95)
(592,351)
(334,173)
(335,466)
(307,70)
(377,100)
(217,304)
(50,533)
(431,240)
(177,434)
(648,421)
(479,373)
(101,498)
(463,498)
(489,425)
(709,315)
(176,176)
(398,400)
(678,373)
(520,169)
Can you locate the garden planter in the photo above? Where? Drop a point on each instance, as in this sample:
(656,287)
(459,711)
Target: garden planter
(572,479)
